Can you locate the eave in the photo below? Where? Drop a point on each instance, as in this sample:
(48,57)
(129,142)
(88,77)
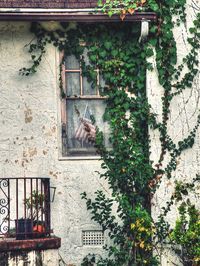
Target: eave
(78,15)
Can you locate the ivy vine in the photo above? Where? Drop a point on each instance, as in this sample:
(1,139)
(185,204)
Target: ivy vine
(133,179)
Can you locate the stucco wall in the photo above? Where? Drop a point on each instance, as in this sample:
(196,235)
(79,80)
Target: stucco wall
(30,258)
(30,138)
(183,117)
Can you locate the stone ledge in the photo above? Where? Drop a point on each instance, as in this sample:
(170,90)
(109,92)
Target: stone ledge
(30,244)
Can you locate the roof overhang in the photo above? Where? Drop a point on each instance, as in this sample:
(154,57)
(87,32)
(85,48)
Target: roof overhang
(78,15)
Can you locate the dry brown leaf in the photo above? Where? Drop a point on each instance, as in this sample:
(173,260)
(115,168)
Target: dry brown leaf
(131,11)
(169,184)
(123,14)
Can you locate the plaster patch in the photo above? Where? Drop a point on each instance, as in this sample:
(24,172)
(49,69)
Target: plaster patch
(32,151)
(44,152)
(28,115)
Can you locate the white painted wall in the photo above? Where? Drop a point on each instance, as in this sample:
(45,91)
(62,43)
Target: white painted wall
(184,111)
(48,257)
(30,136)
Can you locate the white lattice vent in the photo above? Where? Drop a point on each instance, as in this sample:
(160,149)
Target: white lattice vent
(92,238)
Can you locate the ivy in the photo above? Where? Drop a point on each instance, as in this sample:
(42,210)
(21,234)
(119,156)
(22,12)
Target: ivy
(133,179)
(184,237)
(124,7)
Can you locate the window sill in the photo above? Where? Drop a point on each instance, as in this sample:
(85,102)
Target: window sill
(11,244)
(79,158)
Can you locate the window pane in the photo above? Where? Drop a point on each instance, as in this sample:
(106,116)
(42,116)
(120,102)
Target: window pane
(85,57)
(72,84)
(88,87)
(101,81)
(71,62)
(85,108)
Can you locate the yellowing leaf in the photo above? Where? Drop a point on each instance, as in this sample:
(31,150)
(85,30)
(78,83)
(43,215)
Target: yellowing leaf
(137,223)
(142,244)
(123,14)
(132,226)
(131,11)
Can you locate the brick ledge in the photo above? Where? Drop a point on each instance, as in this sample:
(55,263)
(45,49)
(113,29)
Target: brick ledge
(30,244)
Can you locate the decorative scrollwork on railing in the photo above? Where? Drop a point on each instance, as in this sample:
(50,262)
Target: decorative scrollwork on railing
(4,205)
(4,226)
(4,184)
(3,202)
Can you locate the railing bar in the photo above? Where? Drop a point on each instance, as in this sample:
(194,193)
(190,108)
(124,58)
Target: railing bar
(25,207)
(31,198)
(42,201)
(8,206)
(36,201)
(47,207)
(17,210)
(24,198)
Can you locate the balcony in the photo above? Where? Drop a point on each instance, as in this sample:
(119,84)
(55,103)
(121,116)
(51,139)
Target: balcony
(25,208)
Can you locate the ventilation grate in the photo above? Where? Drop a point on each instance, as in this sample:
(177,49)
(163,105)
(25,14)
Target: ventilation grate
(92,238)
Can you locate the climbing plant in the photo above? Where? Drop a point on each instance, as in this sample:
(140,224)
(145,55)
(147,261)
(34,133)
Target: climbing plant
(132,177)
(124,7)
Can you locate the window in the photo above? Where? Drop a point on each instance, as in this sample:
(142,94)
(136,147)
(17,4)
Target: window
(82,102)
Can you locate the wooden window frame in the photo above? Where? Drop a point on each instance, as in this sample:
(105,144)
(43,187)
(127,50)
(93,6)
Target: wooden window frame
(64,115)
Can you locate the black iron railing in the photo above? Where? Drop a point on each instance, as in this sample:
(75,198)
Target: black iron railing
(25,207)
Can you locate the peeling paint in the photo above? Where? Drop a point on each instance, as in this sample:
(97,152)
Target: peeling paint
(54,174)
(39,259)
(29,258)
(28,115)
(32,151)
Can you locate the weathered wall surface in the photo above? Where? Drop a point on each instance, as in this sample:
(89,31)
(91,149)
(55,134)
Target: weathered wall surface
(30,258)
(30,138)
(183,117)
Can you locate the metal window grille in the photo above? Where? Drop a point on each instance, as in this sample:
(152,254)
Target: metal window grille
(92,238)
(24,207)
